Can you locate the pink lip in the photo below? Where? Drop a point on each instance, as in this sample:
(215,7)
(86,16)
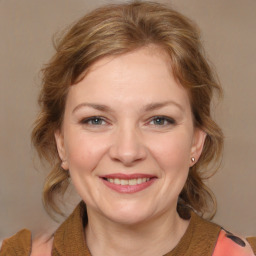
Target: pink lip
(128,189)
(127,176)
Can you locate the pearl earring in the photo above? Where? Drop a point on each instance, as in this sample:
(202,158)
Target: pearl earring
(193,159)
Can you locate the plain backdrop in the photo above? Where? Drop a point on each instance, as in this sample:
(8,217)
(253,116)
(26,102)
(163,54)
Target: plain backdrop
(26,29)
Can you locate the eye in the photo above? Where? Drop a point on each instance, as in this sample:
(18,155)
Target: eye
(162,121)
(94,121)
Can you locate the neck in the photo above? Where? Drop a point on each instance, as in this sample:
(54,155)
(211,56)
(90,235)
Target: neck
(156,236)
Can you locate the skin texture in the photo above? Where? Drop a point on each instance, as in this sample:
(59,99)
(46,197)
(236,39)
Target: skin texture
(127,95)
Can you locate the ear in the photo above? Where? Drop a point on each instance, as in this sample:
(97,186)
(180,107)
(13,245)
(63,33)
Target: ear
(59,139)
(197,146)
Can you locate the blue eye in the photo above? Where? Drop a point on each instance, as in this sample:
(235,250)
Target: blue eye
(162,121)
(95,120)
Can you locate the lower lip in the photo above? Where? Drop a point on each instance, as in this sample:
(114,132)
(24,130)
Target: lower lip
(129,189)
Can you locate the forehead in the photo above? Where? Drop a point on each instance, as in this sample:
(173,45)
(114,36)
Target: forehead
(144,74)
(137,57)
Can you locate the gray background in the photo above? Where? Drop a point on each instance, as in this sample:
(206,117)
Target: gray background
(26,28)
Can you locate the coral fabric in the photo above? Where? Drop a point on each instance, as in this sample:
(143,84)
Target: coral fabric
(229,244)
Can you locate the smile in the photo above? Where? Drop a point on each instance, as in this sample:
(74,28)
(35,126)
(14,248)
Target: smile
(131,182)
(123,183)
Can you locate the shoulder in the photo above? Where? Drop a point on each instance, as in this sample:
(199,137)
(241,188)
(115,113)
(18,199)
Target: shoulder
(234,245)
(203,235)
(19,244)
(217,241)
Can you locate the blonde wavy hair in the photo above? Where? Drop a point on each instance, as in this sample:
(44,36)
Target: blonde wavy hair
(115,30)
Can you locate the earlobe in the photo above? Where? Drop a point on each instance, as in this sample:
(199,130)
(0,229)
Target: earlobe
(198,145)
(59,139)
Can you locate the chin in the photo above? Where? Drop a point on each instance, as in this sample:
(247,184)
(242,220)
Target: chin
(128,213)
(128,218)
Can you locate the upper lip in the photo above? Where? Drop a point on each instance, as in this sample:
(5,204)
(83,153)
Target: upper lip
(127,176)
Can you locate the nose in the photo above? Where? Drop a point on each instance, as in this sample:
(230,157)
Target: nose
(128,147)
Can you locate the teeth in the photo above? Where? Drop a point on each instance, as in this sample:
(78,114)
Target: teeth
(124,182)
(117,181)
(130,182)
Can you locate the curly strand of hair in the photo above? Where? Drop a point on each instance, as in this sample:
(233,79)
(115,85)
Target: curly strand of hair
(56,183)
(198,196)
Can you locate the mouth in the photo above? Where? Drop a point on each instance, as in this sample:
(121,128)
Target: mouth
(128,183)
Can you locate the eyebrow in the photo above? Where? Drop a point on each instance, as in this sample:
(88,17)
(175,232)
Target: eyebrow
(99,107)
(147,108)
(158,105)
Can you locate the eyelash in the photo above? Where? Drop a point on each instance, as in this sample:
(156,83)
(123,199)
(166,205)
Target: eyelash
(89,120)
(164,121)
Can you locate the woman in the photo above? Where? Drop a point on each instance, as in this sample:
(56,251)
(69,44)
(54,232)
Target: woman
(125,115)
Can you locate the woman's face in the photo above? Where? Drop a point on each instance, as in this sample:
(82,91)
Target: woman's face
(127,137)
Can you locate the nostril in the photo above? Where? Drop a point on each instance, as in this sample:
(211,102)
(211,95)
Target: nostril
(127,147)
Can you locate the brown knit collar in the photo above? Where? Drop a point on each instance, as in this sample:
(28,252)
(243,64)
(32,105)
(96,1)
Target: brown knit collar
(69,238)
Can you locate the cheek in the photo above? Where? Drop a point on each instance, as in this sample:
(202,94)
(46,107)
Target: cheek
(172,151)
(84,153)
